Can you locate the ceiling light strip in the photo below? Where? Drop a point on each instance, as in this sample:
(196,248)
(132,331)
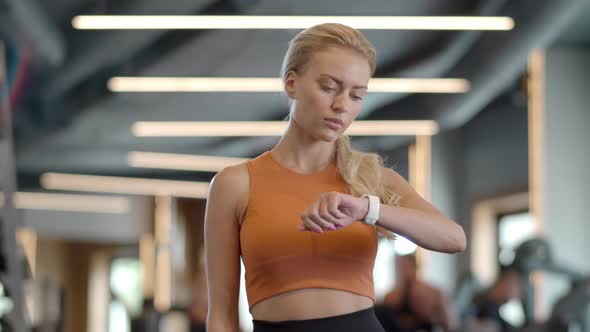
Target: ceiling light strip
(70,203)
(181,161)
(260,84)
(163,22)
(124,185)
(277,128)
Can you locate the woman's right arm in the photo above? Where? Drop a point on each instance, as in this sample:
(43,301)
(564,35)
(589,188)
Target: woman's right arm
(222,247)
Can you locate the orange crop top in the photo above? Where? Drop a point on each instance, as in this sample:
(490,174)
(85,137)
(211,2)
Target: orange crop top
(280,258)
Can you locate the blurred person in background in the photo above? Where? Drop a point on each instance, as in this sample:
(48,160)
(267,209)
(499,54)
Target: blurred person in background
(413,305)
(508,286)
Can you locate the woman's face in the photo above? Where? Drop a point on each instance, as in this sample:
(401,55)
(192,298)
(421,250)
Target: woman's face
(328,95)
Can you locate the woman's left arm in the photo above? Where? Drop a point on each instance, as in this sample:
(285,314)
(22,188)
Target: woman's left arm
(419,221)
(414,218)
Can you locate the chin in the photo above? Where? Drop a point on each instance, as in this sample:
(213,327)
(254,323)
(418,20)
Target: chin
(329,137)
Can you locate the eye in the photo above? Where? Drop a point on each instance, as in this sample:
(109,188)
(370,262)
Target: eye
(356,98)
(327,87)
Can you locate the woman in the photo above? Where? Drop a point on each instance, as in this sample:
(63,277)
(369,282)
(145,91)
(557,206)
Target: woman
(297,215)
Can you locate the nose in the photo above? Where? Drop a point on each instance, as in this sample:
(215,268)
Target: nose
(341,103)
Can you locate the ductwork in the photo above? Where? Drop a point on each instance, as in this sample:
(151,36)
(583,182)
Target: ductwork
(434,64)
(440,62)
(44,38)
(121,44)
(492,65)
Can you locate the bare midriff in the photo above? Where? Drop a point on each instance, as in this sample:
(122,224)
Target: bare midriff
(309,304)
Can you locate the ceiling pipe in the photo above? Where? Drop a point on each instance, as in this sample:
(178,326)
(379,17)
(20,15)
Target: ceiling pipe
(45,40)
(492,65)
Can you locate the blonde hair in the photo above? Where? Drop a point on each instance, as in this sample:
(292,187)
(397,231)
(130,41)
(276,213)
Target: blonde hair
(361,171)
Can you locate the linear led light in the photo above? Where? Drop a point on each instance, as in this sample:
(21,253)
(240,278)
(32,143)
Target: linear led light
(181,161)
(70,203)
(124,185)
(264,84)
(147,253)
(276,128)
(27,237)
(165,22)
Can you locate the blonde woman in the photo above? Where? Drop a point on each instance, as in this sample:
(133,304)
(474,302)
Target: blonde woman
(304,215)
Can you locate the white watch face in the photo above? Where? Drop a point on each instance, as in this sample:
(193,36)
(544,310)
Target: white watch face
(370,221)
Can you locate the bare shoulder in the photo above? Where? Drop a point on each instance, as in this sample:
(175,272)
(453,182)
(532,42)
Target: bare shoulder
(396,181)
(232,177)
(391,175)
(230,188)
(231,182)
(409,197)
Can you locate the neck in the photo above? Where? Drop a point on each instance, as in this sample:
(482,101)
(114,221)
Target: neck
(302,152)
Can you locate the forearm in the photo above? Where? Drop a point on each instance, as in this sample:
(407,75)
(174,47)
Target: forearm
(428,230)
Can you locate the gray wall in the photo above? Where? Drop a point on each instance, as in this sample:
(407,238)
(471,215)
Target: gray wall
(566,176)
(495,159)
(496,152)
(447,169)
(487,157)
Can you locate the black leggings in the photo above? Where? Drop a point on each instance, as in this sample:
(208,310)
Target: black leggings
(364,320)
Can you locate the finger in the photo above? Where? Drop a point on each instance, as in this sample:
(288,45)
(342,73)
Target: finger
(324,224)
(310,225)
(314,215)
(333,203)
(326,215)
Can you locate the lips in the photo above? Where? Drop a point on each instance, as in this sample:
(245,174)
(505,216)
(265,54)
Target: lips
(334,123)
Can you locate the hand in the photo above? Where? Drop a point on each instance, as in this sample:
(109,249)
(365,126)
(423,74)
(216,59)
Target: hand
(332,211)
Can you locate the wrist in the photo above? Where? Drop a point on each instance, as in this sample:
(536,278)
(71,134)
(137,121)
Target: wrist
(373,209)
(364,207)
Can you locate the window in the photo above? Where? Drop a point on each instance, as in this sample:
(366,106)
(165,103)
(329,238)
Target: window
(126,286)
(384,270)
(513,229)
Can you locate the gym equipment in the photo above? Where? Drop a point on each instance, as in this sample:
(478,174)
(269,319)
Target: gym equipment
(531,256)
(568,311)
(12,275)
(535,255)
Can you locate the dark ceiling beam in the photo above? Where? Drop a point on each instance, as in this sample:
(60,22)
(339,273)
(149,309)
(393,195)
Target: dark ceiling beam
(81,82)
(433,60)
(128,52)
(492,65)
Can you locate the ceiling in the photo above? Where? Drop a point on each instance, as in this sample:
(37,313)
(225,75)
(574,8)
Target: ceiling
(65,120)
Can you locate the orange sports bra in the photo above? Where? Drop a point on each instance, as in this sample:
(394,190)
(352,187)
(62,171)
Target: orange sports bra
(280,258)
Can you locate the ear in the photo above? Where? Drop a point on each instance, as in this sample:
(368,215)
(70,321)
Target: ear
(289,84)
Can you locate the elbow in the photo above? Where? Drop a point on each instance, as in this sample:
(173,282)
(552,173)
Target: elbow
(450,239)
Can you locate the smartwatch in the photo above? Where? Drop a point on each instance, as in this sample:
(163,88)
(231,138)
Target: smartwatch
(373,213)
